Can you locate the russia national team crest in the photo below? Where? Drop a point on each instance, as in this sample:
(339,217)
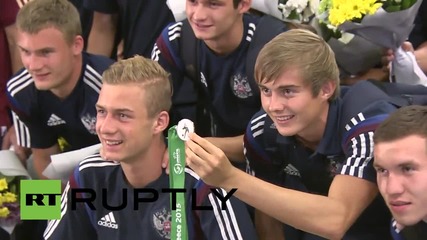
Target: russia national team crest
(162,223)
(240,86)
(334,165)
(90,123)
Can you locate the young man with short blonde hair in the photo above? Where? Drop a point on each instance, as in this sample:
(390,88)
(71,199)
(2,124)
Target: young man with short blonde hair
(310,150)
(53,97)
(130,128)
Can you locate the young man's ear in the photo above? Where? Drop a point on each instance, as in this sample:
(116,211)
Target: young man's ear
(328,89)
(162,122)
(78,45)
(244,6)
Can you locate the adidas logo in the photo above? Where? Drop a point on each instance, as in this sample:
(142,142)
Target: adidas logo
(291,170)
(108,221)
(203,79)
(55,120)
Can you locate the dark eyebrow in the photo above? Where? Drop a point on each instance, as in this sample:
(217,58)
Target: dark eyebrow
(48,49)
(403,164)
(288,86)
(408,162)
(115,109)
(282,86)
(122,110)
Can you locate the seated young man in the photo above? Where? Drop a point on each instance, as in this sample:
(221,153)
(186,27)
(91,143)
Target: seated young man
(400,152)
(53,96)
(215,86)
(310,150)
(132,113)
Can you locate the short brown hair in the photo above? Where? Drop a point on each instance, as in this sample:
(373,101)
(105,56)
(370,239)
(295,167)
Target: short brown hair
(41,14)
(301,49)
(151,77)
(404,122)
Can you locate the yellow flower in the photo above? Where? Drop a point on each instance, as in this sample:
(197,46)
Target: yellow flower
(4,212)
(3,184)
(345,10)
(63,144)
(9,197)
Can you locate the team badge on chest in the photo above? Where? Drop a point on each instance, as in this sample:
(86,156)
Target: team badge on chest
(240,86)
(162,223)
(90,123)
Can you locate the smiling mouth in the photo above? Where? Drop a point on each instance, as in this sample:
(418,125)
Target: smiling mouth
(285,118)
(201,25)
(113,143)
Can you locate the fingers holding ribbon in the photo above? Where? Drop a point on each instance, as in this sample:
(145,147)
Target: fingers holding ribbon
(207,160)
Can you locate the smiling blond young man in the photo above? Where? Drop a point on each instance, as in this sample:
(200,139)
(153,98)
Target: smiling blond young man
(132,113)
(310,148)
(401,163)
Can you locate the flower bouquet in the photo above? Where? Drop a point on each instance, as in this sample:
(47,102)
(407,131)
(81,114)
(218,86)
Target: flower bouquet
(9,204)
(387,23)
(295,11)
(299,11)
(11,172)
(354,54)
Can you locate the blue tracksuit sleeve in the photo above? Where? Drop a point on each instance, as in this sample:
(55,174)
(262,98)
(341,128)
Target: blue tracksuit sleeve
(73,224)
(229,219)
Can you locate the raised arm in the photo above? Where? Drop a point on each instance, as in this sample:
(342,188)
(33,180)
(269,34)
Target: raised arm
(327,216)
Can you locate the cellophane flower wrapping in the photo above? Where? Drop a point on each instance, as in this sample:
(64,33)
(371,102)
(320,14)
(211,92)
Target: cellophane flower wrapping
(387,23)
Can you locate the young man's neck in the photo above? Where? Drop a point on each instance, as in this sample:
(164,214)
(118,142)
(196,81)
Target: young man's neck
(312,136)
(228,42)
(65,90)
(147,168)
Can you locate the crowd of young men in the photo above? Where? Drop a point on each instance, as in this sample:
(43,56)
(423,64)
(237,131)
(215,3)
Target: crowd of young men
(304,139)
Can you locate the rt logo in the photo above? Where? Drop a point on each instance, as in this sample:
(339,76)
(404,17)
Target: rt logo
(40,199)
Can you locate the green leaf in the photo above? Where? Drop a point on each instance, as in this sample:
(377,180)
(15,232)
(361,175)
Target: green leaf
(394,8)
(406,4)
(294,15)
(328,33)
